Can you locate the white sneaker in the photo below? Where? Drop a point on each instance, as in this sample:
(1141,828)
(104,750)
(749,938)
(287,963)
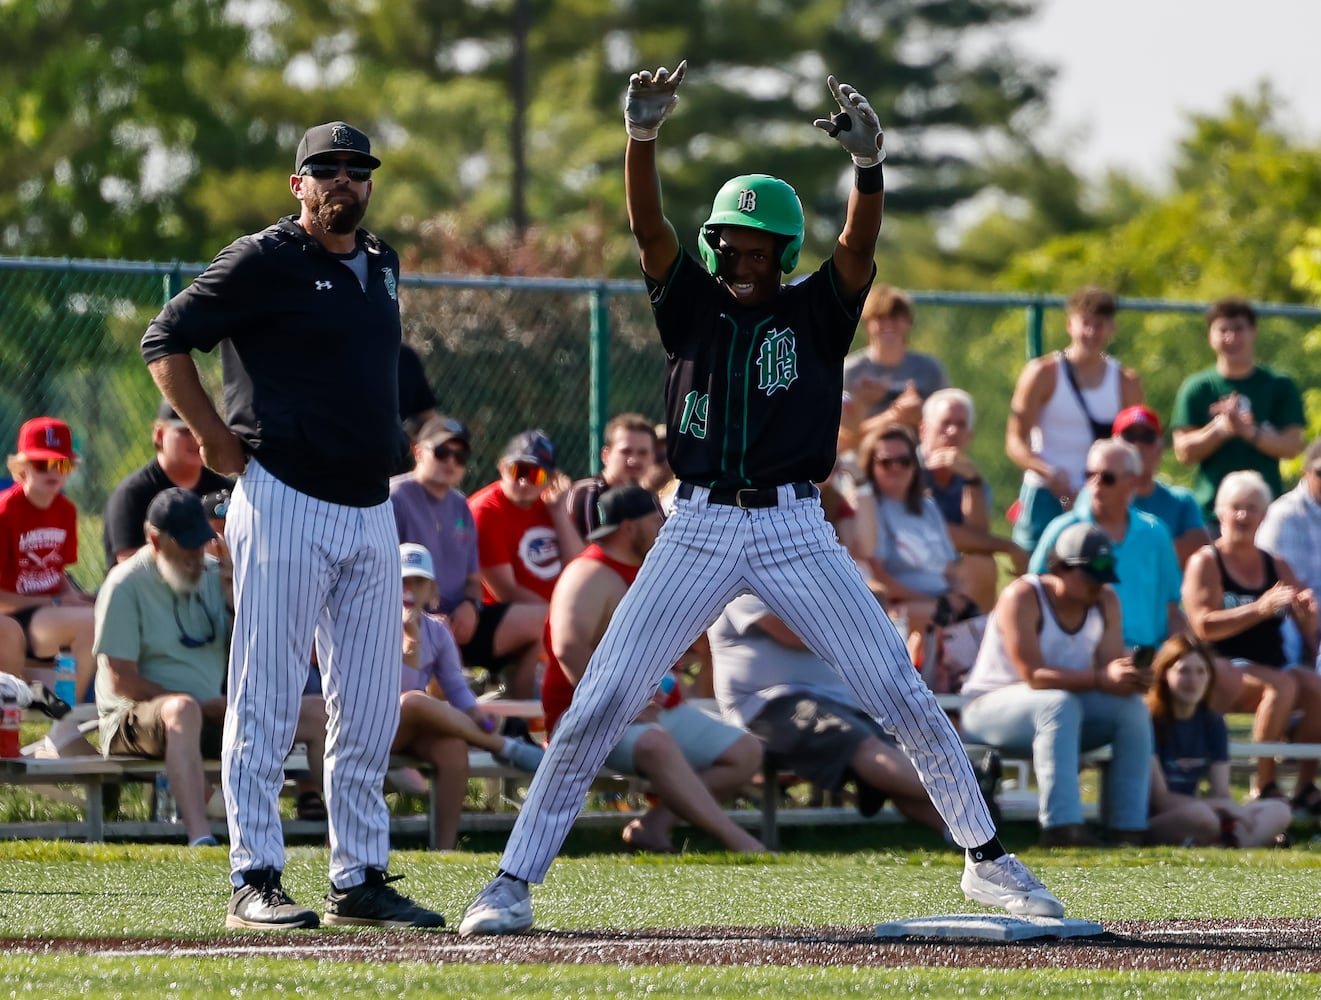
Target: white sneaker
(503,907)
(1007,883)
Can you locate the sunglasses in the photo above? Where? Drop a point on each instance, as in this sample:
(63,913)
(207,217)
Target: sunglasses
(329,171)
(898,462)
(192,642)
(529,472)
(443,453)
(1140,436)
(51,464)
(1106,477)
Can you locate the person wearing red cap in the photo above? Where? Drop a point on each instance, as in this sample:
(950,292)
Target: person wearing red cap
(41,609)
(1173,505)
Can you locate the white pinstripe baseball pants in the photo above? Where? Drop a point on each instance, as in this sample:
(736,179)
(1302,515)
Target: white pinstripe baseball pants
(304,567)
(705,556)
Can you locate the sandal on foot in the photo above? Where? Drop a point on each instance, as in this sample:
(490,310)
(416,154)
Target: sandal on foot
(311,807)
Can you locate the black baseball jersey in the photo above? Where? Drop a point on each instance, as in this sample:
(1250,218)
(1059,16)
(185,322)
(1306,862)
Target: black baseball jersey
(311,358)
(752,393)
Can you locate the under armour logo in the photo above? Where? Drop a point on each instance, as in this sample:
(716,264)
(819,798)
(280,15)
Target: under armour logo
(323,286)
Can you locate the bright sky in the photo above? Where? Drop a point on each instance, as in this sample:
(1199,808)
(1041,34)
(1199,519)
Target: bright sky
(1129,71)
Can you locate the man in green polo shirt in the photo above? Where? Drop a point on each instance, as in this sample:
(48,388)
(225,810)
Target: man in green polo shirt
(1237,414)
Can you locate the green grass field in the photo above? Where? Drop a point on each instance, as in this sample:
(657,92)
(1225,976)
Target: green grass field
(59,889)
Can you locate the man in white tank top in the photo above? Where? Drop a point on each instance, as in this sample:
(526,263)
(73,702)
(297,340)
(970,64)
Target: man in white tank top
(1052,681)
(1062,403)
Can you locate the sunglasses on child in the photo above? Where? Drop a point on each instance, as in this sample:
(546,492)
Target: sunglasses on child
(51,464)
(529,472)
(444,453)
(328,171)
(1140,436)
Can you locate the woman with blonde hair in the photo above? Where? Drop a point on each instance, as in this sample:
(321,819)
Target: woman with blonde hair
(1192,746)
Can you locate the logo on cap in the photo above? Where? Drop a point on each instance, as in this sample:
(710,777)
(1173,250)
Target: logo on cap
(341,136)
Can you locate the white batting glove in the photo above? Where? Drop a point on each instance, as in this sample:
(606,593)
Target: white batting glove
(650,100)
(855,125)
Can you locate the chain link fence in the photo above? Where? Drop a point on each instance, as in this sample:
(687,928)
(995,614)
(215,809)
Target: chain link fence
(506,354)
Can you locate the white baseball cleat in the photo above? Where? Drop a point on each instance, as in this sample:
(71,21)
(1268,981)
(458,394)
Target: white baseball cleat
(503,907)
(1007,883)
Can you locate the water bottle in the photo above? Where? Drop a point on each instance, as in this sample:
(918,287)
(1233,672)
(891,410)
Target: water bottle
(668,694)
(165,810)
(66,676)
(10,720)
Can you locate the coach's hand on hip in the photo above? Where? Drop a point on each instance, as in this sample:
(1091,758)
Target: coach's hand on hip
(225,453)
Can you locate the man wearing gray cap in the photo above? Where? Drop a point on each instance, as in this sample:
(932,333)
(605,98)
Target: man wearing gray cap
(306,316)
(1052,681)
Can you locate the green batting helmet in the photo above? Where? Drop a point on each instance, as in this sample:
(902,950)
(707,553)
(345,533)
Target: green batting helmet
(756,201)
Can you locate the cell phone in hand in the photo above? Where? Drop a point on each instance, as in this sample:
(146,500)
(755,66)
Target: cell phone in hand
(1143,655)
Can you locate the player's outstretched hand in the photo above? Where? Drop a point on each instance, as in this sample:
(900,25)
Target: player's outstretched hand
(855,125)
(651,99)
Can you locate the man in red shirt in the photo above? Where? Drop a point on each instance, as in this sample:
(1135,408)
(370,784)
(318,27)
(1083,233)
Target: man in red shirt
(40,608)
(524,535)
(689,758)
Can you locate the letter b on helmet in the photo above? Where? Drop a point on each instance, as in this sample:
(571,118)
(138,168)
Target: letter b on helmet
(756,201)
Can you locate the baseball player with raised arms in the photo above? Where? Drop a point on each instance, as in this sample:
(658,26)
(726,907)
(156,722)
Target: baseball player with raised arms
(752,394)
(306,315)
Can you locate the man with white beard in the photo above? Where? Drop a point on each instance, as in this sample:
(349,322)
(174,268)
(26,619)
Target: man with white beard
(163,621)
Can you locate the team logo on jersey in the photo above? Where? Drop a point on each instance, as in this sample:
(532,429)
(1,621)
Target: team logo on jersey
(777,362)
(390,287)
(747,200)
(324,286)
(539,552)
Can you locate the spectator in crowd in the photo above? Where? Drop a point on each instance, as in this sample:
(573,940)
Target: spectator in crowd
(885,381)
(417,403)
(963,497)
(914,561)
(178,462)
(1051,680)
(1148,568)
(1192,746)
(1062,403)
(690,759)
(437,731)
(660,477)
(1236,414)
(1173,506)
(627,456)
(162,644)
(41,610)
(768,682)
(1238,598)
(524,536)
(1291,529)
(430,510)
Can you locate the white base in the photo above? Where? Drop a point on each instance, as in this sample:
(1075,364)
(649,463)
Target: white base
(989,927)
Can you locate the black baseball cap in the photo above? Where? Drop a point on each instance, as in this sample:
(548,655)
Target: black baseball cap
(166,414)
(532,446)
(179,513)
(619,504)
(1088,548)
(335,137)
(439,430)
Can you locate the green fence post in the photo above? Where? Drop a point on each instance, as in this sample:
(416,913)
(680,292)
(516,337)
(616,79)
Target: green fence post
(599,375)
(173,282)
(1034,317)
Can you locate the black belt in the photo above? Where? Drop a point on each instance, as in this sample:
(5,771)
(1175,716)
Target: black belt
(747,497)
